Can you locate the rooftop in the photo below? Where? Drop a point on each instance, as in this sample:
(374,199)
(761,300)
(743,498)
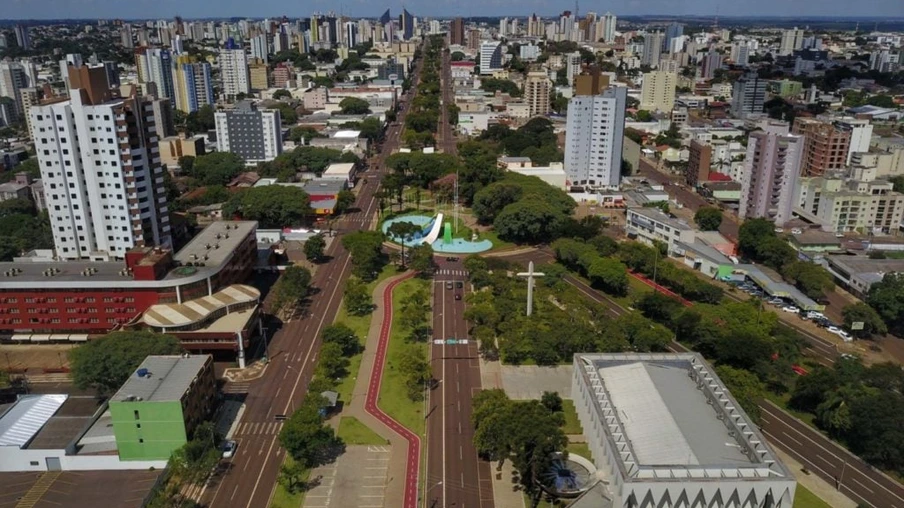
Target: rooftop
(674,418)
(655,214)
(339,168)
(174,315)
(26,417)
(215,244)
(347,134)
(167,379)
(75,413)
(860,265)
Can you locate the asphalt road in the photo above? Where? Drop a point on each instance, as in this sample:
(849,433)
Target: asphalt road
(447,141)
(823,457)
(455,474)
(250,478)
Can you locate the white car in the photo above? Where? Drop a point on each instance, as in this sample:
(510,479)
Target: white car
(792,310)
(845,336)
(229,449)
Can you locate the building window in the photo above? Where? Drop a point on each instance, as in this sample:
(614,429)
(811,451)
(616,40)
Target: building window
(136,414)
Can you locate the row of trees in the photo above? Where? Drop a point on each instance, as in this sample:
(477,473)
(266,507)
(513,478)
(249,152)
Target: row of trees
(289,292)
(563,324)
(414,317)
(526,432)
(423,115)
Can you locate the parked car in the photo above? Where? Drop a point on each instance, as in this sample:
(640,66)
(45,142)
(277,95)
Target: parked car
(792,310)
(815,315)
(229,449)
(448,284)
(458,296)
(459,284)
(777,301)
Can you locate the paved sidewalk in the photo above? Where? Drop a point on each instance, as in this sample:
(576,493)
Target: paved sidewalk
(395,487)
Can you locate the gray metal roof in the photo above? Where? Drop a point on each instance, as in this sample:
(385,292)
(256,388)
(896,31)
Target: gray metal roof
(25,419)
(779,289)
(167,380)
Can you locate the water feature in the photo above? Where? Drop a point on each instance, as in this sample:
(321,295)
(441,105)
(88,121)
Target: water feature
(445,243)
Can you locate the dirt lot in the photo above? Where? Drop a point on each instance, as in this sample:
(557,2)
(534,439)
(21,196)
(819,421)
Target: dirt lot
(15,358)
(123,489)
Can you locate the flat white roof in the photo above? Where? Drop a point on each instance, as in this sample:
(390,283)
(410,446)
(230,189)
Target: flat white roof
(339,168)
(347,134)
(20,424)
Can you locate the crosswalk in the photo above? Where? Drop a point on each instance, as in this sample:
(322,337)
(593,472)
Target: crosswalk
(259,428)
(236,388)
(447,271)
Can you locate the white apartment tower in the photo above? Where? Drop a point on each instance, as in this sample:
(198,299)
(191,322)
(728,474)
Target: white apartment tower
(101,170)
(593,138)
(608,20)
(234,72)
(658,91)
(771,175)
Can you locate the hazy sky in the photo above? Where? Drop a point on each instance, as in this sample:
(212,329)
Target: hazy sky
(87,9)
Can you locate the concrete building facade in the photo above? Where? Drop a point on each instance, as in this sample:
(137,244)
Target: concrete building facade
(536,93)
(234,72)
(249,133)
(826,145)
(594,134)
(771,174)
(658,91)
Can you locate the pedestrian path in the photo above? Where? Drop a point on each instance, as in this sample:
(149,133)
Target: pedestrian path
(269,428)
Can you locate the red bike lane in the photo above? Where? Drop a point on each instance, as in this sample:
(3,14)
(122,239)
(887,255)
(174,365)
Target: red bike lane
(373,394)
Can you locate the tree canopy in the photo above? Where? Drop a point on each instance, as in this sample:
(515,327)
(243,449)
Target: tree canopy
(365,248)
(106,363)
(887,298)
(354,106)
(502,85)
(708,218)
(273,206)
(217,168)
(292,287)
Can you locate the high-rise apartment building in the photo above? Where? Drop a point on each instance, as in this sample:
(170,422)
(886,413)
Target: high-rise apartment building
(740,53)
(126,37)
(490,57)
(29,96)
(23,40)
(101,171)
(658,91)
(652,49)
(711,62)
(162,111)
(593,138)
(351,34)
(259,74)
(792,40)
(699,162)
(673,31)
(12,79)
(474,40)
(252,134)
(457,32)
(845,205)
(536,93)
(572,66)
(260,48)
(826,146)
(157,66)
(748,95)
(234,72)
(406,24)
(771,174)
(861,134)
(192,84)
(608,20)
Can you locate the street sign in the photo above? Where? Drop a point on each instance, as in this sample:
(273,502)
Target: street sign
(451,342)
(857,325)
(439,342)
(463,341)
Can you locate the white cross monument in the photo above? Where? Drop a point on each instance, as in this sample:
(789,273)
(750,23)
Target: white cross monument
(530,274)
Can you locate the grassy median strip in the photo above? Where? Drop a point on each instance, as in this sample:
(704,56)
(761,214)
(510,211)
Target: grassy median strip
(353,432)
(394,400)
(803,498)
(282,498)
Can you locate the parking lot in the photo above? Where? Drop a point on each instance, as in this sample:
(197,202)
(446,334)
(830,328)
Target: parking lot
(356,479)
(786,305)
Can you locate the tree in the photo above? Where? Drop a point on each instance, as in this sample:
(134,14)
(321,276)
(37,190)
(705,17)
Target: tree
(415,369)
(291,477)
(106,363)
(305,436)
(421,259)
(287,113)
(344,200)
(751,233)
(333,364)
(492,199)
(291,289)
(403,232)
(365,248)
(552,401)
(457,56)
(342,335)
(887,298)
(810,278)
(313,248)
(273,206)
(217,168)
(525,222)
(493,85)
(708,218)
(357,300)
(862,313)
(745,387)
(282,93)
(15,206)
(609,274)
(354,106)
(643,116)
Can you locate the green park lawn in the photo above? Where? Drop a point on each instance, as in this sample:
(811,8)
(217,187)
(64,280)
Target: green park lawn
(572,425)
(580,449)
(353,432)
(360,325)
(282,498)
(394,399)
(803,498)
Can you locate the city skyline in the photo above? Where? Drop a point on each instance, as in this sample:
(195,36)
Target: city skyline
(88,9)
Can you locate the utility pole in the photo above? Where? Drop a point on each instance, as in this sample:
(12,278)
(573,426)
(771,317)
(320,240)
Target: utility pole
(530,274)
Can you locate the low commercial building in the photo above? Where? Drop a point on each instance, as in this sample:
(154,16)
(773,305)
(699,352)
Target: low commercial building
(155,412)
(662,428)
(175,147)
(858,273)
(650,225)
(42,300)
(343,171)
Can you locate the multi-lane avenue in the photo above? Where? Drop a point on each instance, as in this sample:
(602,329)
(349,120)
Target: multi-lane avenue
(250,479)
(455,474)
